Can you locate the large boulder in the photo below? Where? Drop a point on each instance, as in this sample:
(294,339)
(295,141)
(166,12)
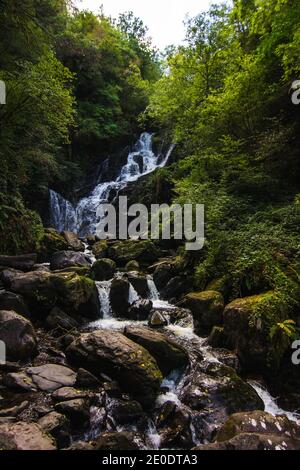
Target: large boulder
(74,294)
(116,441)
(24,436)
(207,308)
(174,288)
(18,335)
(163,273)
(104,269)
(256,430)
(168,354)
(119,296)
(100,249)
(67,259)
(73,241)
(77,411)
(58,426)
(112,353)
(22,262)
(15,302)
(143,251)
(247,337)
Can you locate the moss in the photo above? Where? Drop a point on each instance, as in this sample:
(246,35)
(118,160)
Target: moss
(51,242)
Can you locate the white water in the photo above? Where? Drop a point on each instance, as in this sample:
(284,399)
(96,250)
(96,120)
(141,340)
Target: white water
(271,404)
(82,218)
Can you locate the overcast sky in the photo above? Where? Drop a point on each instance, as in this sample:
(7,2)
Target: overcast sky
(163,17)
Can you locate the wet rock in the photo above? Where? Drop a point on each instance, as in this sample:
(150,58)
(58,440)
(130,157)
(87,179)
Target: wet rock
(18,335)
(174,425)
(168,354)
(251,343)
(112,353)
(81,446)
(140,310)
(157,320)
(74,294)
(180,317)
(76,410)
(58,319)
(20,381)
(256,431)
(73,241)
(24,436)
(139,283)
(58,426)
(119,295)
(67,259)
(50,377)
(15,302)
(126,412)
(174,288)
(143,251)
(207,308)
(85,379)
(116,441)
(103,269)
(15,410)
(100,249)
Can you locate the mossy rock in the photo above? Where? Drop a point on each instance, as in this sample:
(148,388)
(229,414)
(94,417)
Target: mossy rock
(207,308)
(246,334)
(143,251)
(51,242)
(103,269)
(100,249)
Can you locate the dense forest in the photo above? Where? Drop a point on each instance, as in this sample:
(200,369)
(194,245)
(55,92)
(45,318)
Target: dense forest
(82,87)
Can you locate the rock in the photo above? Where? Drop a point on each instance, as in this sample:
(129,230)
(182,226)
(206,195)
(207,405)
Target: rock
(14,411)
(207,308)
(18,335)
(132,266)
(140,310)
(22,262)
(216,337)
(73,242)
(67,259)
(142,251)
(74,294)
(126,412)
(257,430)
(214,391)
(69,393)
(50,377)
(100,249)
(76,410)
(15,302)
(112,353)
(24,436)
(20,381)
(174,288)
(252,344)
(51,242)
(103,269)
(58,319)
(58,426)
(163,273)
(168,354)
(174,426)
(180,317)
(157,320)
(86,380)
(119,296)
(139,283)
(116,441)
(81,446)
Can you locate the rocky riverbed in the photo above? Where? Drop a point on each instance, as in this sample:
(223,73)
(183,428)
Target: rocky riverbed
(108,349)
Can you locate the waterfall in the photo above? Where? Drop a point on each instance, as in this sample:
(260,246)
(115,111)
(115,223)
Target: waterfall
(103,292)
(82,218)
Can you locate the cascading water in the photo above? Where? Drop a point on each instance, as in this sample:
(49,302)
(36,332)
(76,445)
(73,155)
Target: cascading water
(82,218)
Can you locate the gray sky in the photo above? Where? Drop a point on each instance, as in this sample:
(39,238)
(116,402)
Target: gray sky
(163,17)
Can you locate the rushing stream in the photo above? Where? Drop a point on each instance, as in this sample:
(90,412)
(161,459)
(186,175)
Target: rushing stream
(81,218)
